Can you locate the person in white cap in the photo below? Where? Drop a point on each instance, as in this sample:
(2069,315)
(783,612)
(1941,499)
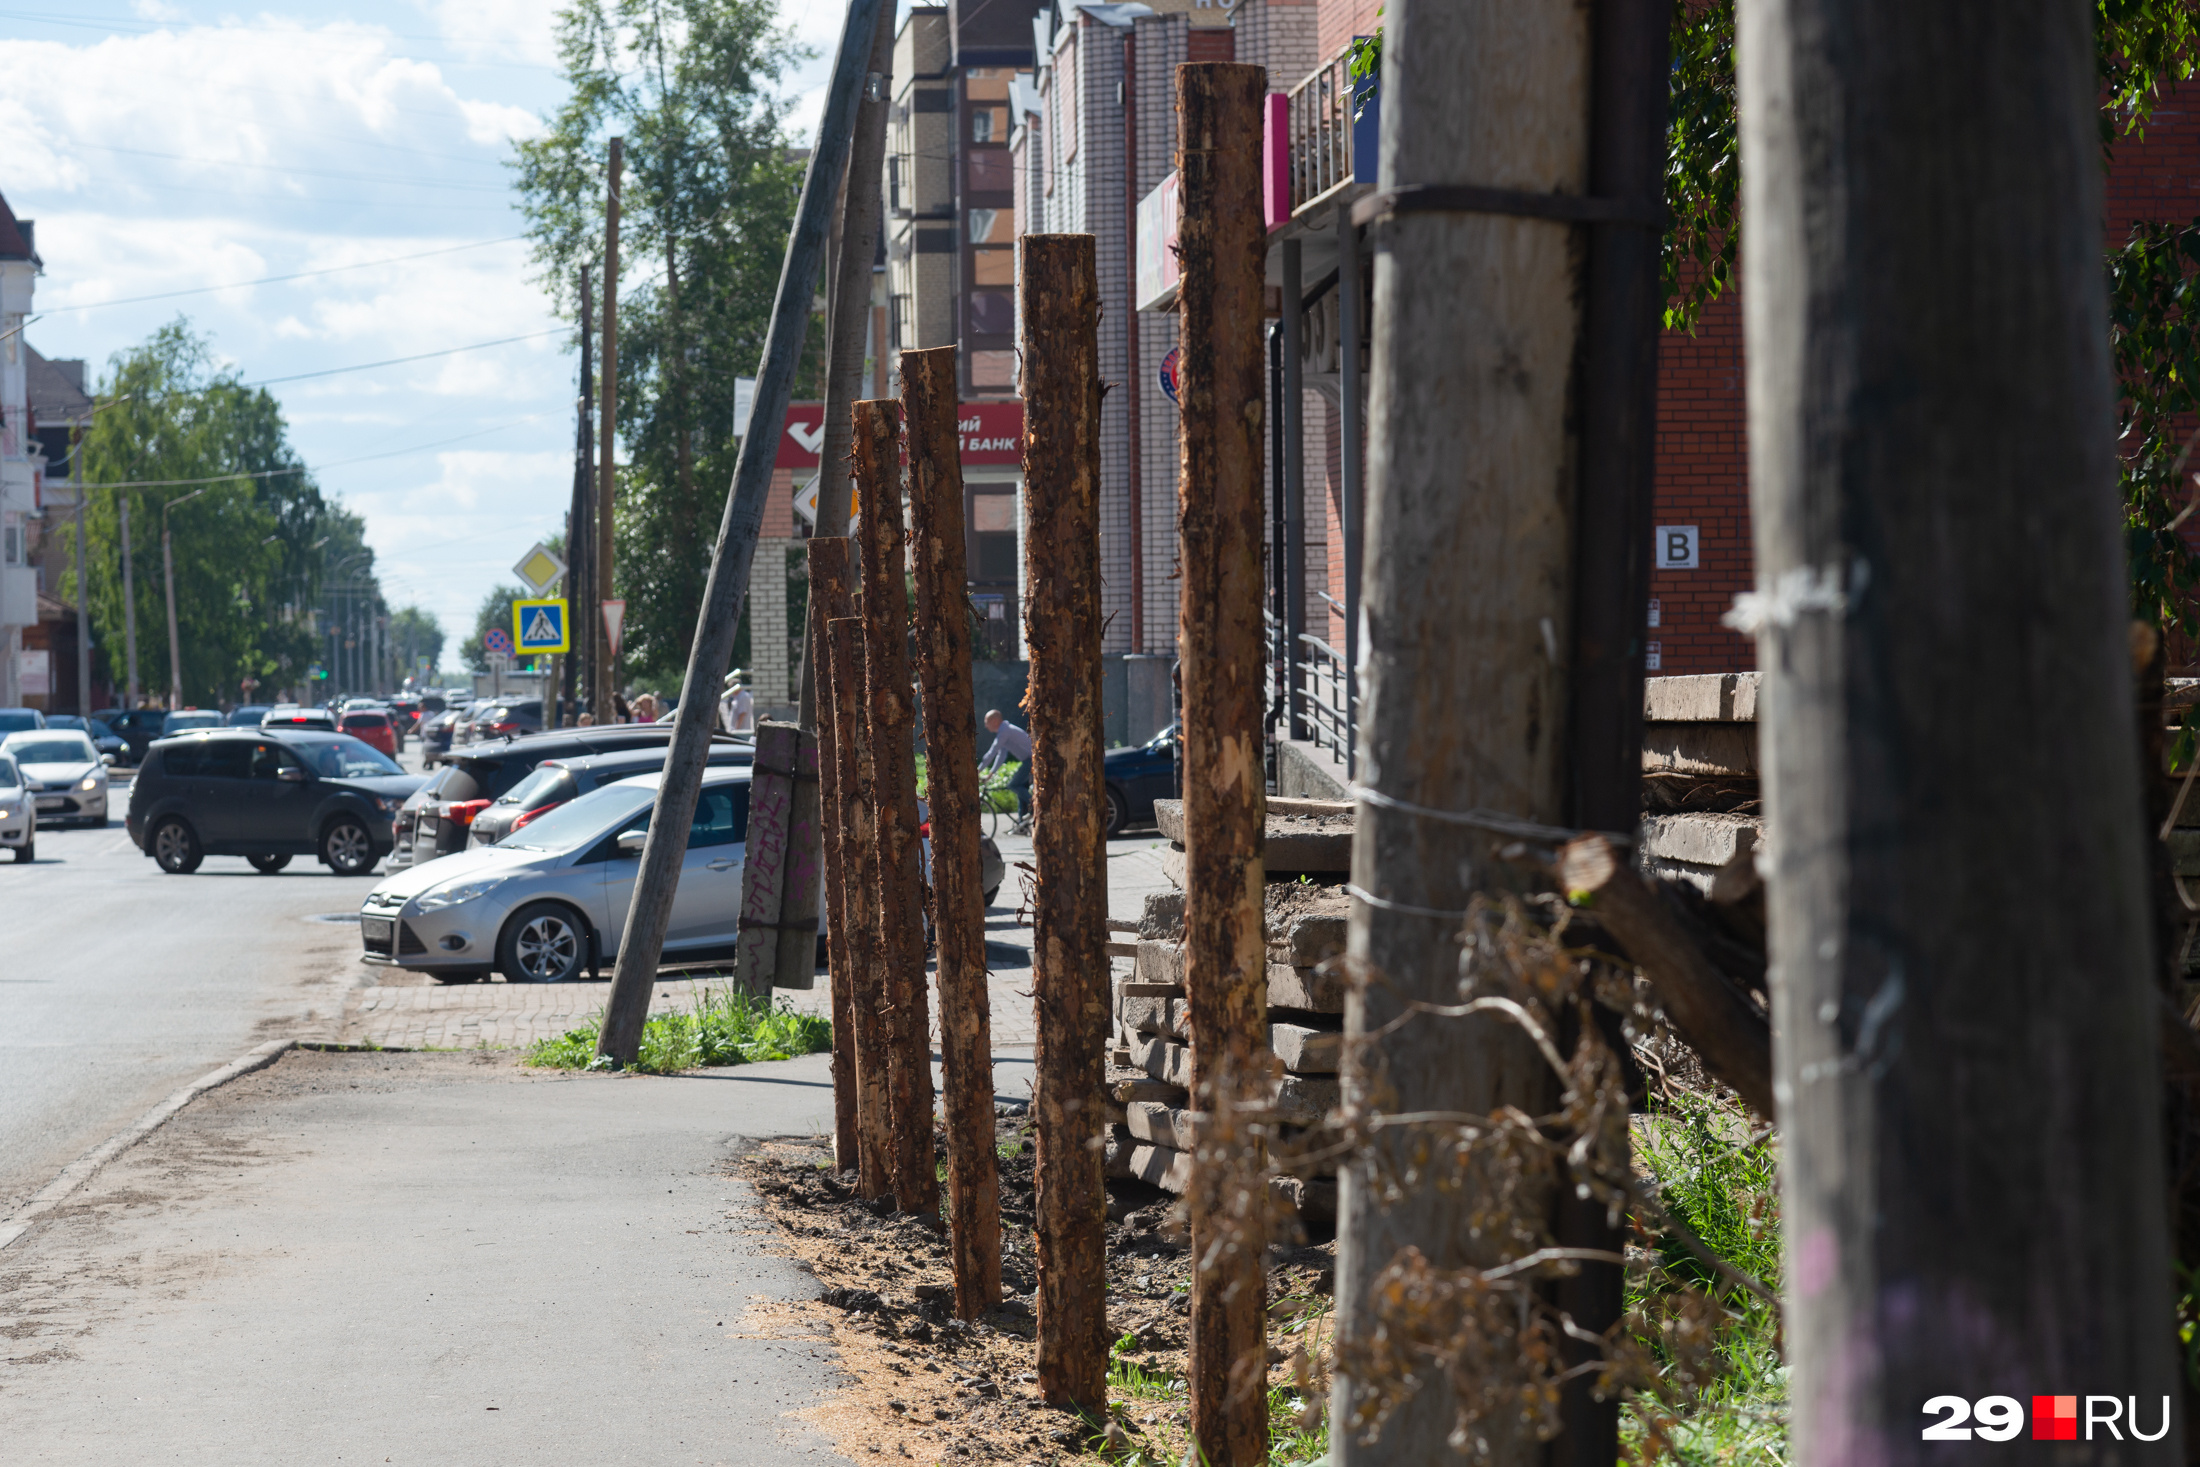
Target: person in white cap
(737,708)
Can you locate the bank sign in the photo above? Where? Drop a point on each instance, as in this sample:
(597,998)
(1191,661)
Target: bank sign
(991,433)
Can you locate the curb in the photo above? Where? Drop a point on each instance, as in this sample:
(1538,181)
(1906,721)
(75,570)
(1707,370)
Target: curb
(82,1170)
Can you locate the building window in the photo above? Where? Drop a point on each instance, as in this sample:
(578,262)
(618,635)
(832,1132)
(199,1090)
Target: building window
(993,371)
(992,313)
(983,222)
(993,537)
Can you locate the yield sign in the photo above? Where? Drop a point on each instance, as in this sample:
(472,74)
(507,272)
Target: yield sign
(614,622)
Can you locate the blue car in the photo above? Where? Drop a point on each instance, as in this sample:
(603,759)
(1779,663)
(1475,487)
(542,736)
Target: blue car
(1137,777)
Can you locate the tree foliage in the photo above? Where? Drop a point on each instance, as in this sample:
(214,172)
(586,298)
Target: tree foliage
(707,203)
(249,550)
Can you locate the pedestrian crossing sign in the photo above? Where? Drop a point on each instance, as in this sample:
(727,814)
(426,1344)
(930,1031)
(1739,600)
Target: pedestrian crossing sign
(539,626)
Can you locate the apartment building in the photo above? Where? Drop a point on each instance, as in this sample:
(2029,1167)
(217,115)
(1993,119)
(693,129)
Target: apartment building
(20,501)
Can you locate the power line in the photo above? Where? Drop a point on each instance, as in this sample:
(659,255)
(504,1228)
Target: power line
(471,188)
(400,361)
(305,469)
(148,28)
(278,279)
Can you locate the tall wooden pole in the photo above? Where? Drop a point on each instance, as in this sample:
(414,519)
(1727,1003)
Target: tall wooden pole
(858,836)
(1964,1024)
(580,541)
(1468,590)
(900,889)
(951,764)
(1222,245)
(830,600)
(1060,311)
(607,480)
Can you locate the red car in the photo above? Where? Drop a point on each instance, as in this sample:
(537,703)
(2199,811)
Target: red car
(371,729)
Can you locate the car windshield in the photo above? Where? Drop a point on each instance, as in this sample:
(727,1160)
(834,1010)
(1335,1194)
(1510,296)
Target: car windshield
(9,779)
(64,720)
(523,793)
(61,748)
(178,722)
(12,719)
(365,720)
(344,757)
(576,824)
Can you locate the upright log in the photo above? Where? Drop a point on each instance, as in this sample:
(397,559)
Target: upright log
(1222,244)
(830,600)
(1963,981)
(858,835)
(1060,311)
(951,764)
(1468,607)
(900,889)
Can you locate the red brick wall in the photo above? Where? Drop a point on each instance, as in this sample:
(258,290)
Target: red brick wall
(1341,20)
(1210,43)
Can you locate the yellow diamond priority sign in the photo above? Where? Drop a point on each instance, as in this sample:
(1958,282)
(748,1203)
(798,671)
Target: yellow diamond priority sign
(539,627)
(539,569)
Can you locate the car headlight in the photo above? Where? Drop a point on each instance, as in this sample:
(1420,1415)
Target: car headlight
(458,893)
(90,782)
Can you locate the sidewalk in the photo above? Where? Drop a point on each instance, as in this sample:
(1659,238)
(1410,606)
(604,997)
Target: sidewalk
(426,1259)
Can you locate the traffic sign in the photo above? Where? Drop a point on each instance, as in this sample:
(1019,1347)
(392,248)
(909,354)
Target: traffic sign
(614,622)
(1169,372)
(497,642)
(539,569)
(539,627)
(805,499)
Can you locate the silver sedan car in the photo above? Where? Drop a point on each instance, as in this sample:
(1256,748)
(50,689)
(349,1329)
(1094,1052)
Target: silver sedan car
(64,772)
(548,903)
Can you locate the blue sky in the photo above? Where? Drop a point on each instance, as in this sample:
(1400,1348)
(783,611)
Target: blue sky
(167,147)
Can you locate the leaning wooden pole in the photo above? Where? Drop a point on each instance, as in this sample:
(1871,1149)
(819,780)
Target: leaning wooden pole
(850,710)
(1222,244)
(830,600)
(900,889)
(1468,603)
(1963,977)
(1059,307)
(951,764)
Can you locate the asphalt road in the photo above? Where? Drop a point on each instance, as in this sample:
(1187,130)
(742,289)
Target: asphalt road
(119,983)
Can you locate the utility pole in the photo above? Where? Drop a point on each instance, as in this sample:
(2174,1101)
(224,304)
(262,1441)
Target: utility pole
(1221,244)
(168,568)
(830,601)
(607,482)
(1058,307)
(728,584)
(857,917)
(1963,978)
(1468,607)
(83,588)
(584,619)
(129,599)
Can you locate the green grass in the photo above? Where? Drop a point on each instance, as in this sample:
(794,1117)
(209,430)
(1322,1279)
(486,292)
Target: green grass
(727,1027)
(1720,1178)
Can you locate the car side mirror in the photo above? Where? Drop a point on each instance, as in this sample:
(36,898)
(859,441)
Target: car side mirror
(632,841)
(291,774)
(108,760)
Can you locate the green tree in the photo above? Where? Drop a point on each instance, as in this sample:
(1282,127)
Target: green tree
(706,205)
(416,635)
(496,611)
(247,545)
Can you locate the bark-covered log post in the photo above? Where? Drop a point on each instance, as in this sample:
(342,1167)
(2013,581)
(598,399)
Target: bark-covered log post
(1963,983)
(830,600)
(858,835)
(1222,243)
(951,764)
(900,889)
(1060,311)
(1468,604)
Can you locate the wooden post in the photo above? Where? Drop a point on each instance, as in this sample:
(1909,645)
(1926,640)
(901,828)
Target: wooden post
(859,877)
(1963,981)
(1468,598)
(1060,311)
(900,889)
(607,476)
(951,762)
(764,862)
(830,601)
(1222,245)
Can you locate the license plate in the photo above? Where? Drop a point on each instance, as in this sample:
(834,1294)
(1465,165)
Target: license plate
(377,929)
(53,802)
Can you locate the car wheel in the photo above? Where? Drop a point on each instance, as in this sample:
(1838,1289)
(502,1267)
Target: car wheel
(347,849)
(26,853)
(1119,813)
(991,894)
(176,848)
(543,943)
(268,865)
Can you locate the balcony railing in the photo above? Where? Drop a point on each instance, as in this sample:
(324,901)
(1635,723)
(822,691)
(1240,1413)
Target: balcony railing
(1325,145)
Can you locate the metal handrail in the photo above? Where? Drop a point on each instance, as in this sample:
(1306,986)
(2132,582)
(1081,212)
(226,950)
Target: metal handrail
(1320,130)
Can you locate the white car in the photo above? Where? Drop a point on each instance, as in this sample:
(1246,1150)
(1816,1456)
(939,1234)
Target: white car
(18,822)
(547,903)
(64,773)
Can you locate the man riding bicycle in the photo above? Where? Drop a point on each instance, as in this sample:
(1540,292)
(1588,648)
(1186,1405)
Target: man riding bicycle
(1009,742)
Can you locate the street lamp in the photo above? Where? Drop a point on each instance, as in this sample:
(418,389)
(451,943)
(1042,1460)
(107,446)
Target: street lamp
(168,568)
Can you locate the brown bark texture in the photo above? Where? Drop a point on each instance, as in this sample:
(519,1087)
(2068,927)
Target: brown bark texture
(858,834)
(1221,244)
(1473,464)
(1060,312)
(1966,1037)
(951,764)
(830,600)
(900,889)
(764,863)
(607,476)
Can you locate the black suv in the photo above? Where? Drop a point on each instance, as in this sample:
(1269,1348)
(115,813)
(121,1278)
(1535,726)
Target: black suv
(136,727)
(438,817)
(266,795)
